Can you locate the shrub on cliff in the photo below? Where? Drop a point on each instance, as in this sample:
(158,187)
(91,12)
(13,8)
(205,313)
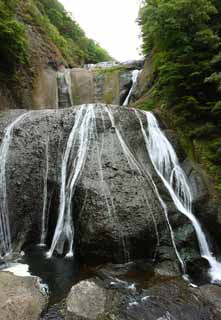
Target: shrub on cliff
(77,44)
(14,46)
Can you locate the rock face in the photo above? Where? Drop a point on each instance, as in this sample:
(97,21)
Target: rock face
(151,298)
(35,86)
(145,81)
(109,86)
(45,94)
(116,210)
(20,298)
(82,86)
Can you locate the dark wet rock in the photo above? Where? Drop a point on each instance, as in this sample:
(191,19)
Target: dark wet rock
(197,180)
(20,298)
(165,298)
(205,207)
(172,137)
(138,273)
(52,313)
(198,270)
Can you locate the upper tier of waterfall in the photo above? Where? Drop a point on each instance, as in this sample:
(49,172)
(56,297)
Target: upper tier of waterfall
(135,74)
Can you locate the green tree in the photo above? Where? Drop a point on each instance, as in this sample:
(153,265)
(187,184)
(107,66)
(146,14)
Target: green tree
(184,38)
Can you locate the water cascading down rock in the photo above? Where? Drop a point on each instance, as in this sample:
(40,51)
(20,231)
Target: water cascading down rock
(110,172)
(5,234)
(167,166)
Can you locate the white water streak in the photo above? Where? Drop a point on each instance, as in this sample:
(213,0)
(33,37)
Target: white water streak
(45,199)
(167,166)
(135,74)
(5,235)
(78,137)
(67,75)
(134,165)
(163,205)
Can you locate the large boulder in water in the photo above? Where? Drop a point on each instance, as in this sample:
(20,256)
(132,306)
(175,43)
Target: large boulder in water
(116,208)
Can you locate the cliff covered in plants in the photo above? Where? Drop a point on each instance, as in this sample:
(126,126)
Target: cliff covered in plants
(36,35)
(182,76)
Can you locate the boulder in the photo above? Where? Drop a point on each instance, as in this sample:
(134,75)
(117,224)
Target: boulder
(116,211)
(20,298)
(86,300)
(163,297)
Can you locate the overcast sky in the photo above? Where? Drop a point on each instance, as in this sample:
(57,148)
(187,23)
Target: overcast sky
(112,23)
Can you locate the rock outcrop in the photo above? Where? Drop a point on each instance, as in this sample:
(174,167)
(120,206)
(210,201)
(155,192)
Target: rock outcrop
(20,298)
(116,211)
(109,86)
(147,297)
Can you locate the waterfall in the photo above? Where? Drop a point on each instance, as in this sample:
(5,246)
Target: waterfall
(67,75)
(80,138)
(5,236)
(82,134)
(135,74)
(134,165)
(45,194)
(166,164)
(64,89)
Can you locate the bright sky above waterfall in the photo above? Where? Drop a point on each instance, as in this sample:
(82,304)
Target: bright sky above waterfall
(112,23)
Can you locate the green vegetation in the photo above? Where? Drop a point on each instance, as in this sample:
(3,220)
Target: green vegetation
(184,37)
(70,38)
(53,23)
(14,46)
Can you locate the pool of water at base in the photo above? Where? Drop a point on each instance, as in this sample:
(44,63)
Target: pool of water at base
(59,273)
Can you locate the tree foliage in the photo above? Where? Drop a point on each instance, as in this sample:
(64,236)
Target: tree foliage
(187,47)
(184,37)
(14,45)
(76,43)
(51,19)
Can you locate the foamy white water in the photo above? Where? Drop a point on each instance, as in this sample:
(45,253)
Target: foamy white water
(18,269)
(163,205)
